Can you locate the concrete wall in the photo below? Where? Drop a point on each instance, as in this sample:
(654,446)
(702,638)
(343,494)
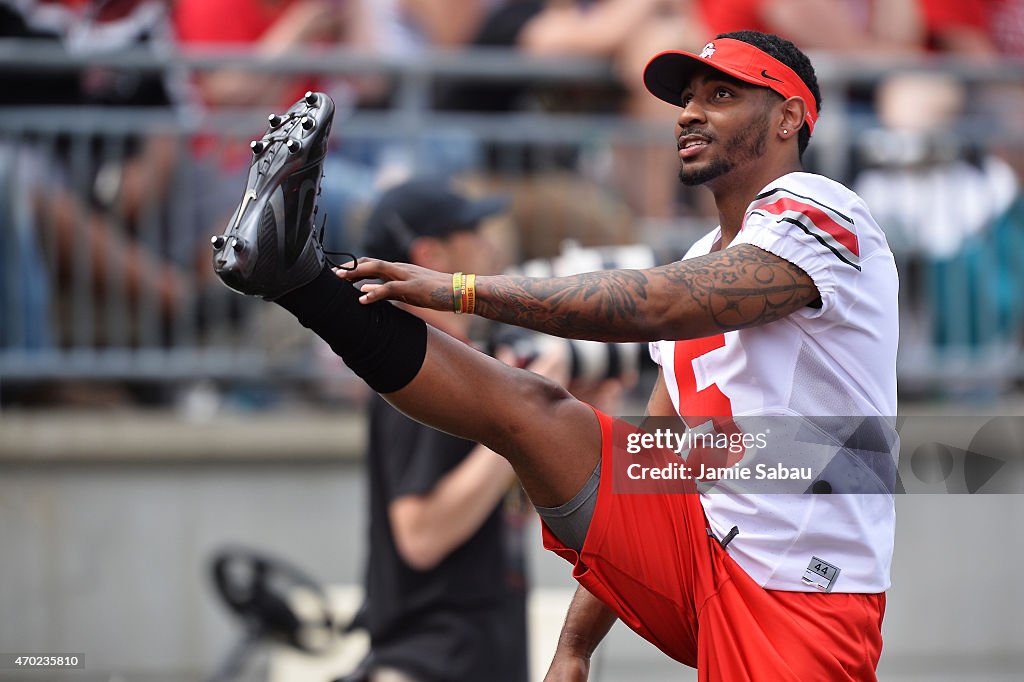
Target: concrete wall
(112,560)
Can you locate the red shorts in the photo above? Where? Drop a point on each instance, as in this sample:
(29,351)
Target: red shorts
(650,559)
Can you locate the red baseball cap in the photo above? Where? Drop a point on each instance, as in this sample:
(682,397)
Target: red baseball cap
(669,72)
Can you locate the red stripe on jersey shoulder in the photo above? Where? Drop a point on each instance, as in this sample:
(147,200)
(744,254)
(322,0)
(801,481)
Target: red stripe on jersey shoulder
(821,220)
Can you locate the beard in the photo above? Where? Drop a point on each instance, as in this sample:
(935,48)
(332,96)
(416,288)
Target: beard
(746,146)
(698,176)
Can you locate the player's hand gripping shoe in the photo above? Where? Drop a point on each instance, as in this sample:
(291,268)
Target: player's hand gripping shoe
(270,246)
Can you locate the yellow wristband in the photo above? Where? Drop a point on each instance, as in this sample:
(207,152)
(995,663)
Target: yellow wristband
(470,294)
(457,292)
(465,296)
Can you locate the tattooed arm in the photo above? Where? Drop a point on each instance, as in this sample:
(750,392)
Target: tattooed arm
(730,289)
(738,287)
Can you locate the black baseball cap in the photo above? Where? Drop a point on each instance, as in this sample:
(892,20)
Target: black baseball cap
(422,207)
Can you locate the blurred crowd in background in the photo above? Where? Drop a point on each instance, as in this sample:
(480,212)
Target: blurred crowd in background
(106,293)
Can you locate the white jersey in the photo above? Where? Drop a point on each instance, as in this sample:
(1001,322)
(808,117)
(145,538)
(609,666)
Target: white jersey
(836,360)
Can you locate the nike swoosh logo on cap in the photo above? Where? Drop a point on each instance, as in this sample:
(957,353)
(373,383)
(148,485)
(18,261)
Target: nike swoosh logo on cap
(764,74)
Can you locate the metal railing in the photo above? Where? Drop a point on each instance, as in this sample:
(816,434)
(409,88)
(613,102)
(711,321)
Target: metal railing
(71,305)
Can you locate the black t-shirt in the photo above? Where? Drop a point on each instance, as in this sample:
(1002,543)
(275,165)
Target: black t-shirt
(464,619)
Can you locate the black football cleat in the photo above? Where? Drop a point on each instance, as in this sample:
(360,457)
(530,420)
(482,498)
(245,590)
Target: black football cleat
(270,246)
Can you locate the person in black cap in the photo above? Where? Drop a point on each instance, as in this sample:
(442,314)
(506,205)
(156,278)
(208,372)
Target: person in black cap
(445,581)
(426,219)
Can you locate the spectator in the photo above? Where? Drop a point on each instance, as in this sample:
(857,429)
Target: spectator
(443,24)
(439,537)
(268,28)
(611,29)
(89,215)
(946,204)
(984,31)
(357,167)
(627,33)
(958,27)
(1007,26)
(981,29)
(865,27)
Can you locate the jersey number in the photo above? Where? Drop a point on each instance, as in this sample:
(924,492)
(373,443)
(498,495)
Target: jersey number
(708,404)
(697,406)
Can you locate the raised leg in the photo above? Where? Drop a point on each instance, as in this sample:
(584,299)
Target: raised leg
(552,440)
(271,249)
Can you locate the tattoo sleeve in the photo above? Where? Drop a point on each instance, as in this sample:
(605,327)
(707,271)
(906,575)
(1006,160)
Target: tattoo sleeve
(735,288)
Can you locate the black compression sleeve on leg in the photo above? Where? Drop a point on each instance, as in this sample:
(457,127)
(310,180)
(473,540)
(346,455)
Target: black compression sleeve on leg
(382,344)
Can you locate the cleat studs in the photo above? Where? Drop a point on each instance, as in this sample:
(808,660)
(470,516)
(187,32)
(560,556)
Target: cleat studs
(257,146)
(311,98)
(217,241)
(274,120)
(237,244)
(307,123)
(293,146)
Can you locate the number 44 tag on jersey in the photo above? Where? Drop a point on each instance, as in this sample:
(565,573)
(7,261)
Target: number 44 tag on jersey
(820,574)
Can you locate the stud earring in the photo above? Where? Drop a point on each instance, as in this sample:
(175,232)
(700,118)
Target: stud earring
(785,132)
